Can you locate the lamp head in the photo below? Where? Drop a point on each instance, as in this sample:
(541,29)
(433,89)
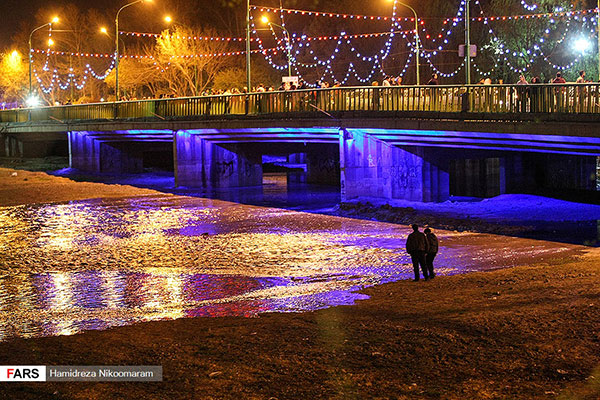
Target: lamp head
(104,30)
(168,19)
(265,19)
(55,20)
(581,45)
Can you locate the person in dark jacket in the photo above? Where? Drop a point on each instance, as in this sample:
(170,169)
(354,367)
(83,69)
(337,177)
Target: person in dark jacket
(433,244)
(417,247)
(433,80)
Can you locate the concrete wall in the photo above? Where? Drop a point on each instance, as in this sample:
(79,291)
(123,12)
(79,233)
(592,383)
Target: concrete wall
(373,168)
(531,173)
(323,164)
(32,146)
(121,157)
(478,177)
(200,163)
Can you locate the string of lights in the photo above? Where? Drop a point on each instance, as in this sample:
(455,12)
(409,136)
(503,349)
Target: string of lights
(298,45)
(131,56)
(535,51)
(529,7)
(557,13)
(383,53)
(295,37)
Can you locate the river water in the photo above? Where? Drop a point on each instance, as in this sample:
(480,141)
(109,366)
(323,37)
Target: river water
(83,265)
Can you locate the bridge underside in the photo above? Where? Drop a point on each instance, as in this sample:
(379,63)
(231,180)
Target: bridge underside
(416,165)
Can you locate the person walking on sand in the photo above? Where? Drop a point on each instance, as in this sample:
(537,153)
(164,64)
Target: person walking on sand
(433,245)
(416,246)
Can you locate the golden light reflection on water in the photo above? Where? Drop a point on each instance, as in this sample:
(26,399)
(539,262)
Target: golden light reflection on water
(72,267)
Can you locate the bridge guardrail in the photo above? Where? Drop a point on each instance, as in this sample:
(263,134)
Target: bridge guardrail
(491,99)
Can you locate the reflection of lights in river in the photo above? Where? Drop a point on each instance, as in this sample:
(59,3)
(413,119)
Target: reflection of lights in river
(96,264)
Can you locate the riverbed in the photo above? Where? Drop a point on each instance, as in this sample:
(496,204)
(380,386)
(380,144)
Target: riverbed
(83,265)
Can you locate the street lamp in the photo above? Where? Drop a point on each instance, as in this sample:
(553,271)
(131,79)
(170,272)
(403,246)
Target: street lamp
(417,41)
(117,44)
(248,80)
(468,41)
(265,20)
(54,21)
(581,45)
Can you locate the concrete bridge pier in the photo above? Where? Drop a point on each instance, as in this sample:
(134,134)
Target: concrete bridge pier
(202,163)
(373,168)
(84,152)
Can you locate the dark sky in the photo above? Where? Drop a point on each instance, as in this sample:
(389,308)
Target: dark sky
(15,13)
(19,15)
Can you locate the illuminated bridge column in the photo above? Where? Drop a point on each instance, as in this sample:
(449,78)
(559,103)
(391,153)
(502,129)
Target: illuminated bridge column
(201,163)
(374,168)
(84,152)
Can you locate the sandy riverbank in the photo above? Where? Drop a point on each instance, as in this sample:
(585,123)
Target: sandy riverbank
(530,332)
(19,187)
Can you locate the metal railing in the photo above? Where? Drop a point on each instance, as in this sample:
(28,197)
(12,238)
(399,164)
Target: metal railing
(460,99)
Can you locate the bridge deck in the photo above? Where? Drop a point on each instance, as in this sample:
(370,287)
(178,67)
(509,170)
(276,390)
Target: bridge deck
(505,102)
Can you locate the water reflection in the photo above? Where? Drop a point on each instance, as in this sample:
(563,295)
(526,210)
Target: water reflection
(87,265)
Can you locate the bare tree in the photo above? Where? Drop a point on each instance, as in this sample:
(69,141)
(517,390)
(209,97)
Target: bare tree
(189,62)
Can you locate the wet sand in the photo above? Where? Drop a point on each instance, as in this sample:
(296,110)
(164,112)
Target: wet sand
(26,187)
(528,332)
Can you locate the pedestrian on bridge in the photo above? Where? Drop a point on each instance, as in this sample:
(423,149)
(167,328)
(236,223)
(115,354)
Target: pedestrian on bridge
(417,247)
(522,89)
(559,93)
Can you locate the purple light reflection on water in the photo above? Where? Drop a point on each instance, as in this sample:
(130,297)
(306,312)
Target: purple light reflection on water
(68,303)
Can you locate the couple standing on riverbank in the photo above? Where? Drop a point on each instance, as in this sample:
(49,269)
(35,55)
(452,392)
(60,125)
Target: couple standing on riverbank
(422,247)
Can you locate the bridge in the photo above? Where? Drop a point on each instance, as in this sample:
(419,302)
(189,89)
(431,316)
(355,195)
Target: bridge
(420,143)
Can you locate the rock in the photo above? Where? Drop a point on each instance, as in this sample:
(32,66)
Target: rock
(215,374)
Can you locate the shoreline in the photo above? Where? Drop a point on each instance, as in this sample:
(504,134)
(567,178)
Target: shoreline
(525,332)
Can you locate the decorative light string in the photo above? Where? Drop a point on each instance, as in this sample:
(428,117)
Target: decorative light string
(150,57)
(529,7)
(536,50)
(299,46)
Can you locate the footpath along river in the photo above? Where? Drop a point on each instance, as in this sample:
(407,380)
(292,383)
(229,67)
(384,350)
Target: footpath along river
(95,264)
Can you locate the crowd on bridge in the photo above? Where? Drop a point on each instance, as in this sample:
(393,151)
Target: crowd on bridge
(524,95)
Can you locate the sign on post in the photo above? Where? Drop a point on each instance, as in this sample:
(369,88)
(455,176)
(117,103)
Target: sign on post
(461,50)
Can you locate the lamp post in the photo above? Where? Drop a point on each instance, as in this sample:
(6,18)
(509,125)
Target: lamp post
(54,21)
(248,80)
(117,44)
(468,41)
(417,41)
(265,20)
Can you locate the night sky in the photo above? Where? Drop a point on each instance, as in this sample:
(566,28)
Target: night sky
(16,13)
(24,15)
